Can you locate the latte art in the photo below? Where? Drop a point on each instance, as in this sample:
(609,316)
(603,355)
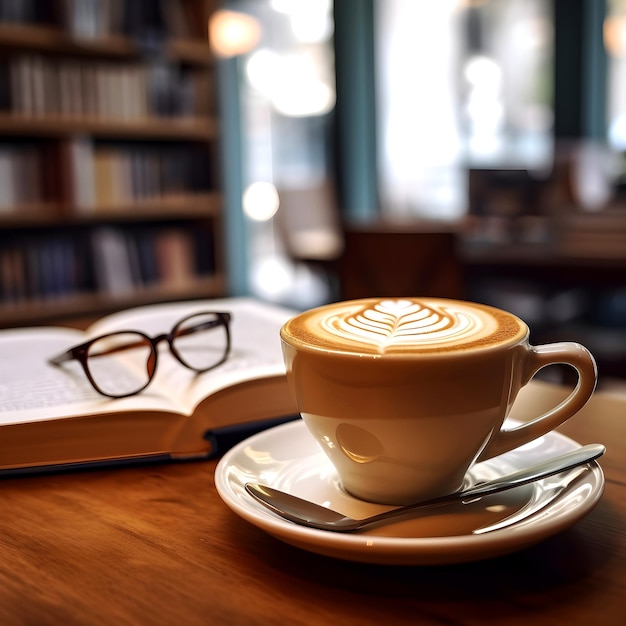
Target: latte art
(398,322)
(403,325)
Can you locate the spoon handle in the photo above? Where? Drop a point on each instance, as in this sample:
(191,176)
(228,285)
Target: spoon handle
(547,468)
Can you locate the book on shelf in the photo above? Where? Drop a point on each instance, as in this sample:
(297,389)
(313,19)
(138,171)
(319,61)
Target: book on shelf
(51,418)
(20,178)
(106,260)
(33,85)
(107,179)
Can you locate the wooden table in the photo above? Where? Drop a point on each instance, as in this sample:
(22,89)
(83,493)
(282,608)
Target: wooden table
(156,545)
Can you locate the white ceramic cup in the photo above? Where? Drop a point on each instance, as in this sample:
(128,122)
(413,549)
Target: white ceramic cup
(404,395)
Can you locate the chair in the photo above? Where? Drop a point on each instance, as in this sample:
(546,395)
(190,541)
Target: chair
(400,260)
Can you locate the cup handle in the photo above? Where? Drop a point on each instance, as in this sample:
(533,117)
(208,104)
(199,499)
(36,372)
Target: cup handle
(538,357)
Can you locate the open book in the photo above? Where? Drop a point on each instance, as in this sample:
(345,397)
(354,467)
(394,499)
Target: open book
(51,416)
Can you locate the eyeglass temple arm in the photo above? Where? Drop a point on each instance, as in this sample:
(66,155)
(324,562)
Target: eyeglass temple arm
(61,358)
(68,355)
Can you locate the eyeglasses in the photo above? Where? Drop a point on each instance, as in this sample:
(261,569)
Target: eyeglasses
(123,363)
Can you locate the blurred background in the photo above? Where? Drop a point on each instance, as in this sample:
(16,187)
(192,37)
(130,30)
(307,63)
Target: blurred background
(302,151)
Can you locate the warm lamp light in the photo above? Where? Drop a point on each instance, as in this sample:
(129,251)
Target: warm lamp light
(232,33)
(615,35)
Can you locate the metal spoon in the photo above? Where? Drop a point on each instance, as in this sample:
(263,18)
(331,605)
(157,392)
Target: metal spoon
(309,514)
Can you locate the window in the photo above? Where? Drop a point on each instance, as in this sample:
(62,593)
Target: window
(460,85)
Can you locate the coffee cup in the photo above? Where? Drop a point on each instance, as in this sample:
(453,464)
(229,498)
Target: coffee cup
(404,395)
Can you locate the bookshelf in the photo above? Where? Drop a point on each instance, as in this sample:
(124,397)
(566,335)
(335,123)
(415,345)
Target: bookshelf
(109,183)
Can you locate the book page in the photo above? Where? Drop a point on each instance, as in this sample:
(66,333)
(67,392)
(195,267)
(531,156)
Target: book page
(33,390)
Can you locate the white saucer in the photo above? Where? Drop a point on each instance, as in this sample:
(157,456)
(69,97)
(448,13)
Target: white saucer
(288,458)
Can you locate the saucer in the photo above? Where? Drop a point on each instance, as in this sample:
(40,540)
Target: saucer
(287,457)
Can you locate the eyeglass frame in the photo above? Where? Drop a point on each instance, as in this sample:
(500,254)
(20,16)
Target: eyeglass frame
(80,352)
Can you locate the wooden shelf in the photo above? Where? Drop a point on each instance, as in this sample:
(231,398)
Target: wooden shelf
(535,256)
(45,39)
(94,305)
(161,129)
(198,52)
(109,189)
(172,208)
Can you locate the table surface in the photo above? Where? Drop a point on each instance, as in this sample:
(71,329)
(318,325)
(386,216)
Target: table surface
(156,545)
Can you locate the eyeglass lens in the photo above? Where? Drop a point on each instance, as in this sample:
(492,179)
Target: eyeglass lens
(119,363)
(201,341)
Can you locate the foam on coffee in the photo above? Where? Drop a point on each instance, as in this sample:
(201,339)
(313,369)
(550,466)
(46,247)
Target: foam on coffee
(402,325)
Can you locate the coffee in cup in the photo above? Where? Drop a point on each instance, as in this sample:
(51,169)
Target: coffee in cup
(405,394)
